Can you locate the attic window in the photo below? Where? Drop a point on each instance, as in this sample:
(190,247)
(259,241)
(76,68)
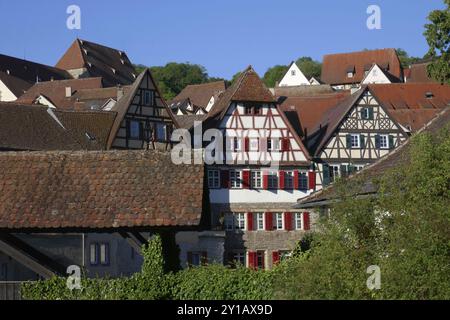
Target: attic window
(90,136)
(350,71)
(292,72)
(429,95)
(350,74)
(122,61)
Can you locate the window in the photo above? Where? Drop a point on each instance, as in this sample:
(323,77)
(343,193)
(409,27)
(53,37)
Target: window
(269,145)
(260,259)
(350,74)
(239,258)
(359,167)
(257,110)
(289,179)
(285,255)
(148,98)
(354,141)
(384,141)
(272,178)
(236,144)
(239,221)
(135,129)
(303,181)
(256,179)
(279,223)
(260,224)
(99,254)
(236,179)
(254,144)
(214,178)
(229,222)
(298,221)
(161,131)
(247,110)
(334,173)
(292,72)
(194,258)
(276,144)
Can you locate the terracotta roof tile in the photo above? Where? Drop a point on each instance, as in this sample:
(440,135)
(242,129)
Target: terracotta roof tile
(200,94)
(90,189)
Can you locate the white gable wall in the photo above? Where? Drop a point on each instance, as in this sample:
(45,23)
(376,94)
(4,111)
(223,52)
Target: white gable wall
(375,75)
(5,93)
(294,77)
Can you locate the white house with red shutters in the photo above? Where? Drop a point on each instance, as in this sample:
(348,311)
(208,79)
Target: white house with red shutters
(266,170)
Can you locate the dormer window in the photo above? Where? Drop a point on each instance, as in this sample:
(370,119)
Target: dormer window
(122,61)
(350,71)
(350,74)
(429,95)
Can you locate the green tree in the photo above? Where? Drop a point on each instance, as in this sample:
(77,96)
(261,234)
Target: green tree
(274,75)
(309,67)
(405,59)
(437,34)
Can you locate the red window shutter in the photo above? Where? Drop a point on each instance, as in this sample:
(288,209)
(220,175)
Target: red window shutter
(269,222)
(288,221)
(285,144)
(306,224)
(252,259)
(246,144)
(312,180)
(281,179)
(296,185)
(249,221)
(275,257)
(246,179)
(225,179)
(265,180)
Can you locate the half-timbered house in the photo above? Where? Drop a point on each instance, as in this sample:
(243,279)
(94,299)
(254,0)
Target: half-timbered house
(369,124)
(250,197)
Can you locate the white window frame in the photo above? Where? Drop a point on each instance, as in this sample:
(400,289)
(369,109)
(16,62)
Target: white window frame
(260,221)
(336,172)
(254,144)
(386,137)
(240,221)
(289,179)
(350,74)
(214,178)
(298,221)
(358,139)
(256,179)
(279,221)
(236,179)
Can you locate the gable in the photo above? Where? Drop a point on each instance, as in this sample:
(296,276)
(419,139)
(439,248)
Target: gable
(294,77)
(375,75)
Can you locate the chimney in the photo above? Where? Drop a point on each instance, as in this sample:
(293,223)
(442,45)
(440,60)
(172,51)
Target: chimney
(119,92)
(68,92)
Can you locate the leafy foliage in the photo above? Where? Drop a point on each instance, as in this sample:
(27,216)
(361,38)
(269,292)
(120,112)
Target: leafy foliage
(405,59)
(437,34)
(274,75)
(309,67)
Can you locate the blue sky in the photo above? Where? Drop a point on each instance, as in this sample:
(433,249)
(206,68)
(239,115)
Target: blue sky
(224,36)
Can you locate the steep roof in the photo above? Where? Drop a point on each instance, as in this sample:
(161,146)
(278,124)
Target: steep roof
(305,112)
(186,121)
(336,66)
(373,171)
(418,73)
(121,107)
(100,61)
(114,189)
(19,75)
(30,127)
(200,94)
(248,87)
(56,91)
(412,104)
(304,90)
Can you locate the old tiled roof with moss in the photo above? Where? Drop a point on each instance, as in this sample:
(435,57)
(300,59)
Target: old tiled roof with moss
(92,189)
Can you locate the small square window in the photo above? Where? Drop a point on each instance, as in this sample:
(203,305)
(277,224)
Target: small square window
(384,141)
(292,72)
(349,74)
(214,178)
(354,141)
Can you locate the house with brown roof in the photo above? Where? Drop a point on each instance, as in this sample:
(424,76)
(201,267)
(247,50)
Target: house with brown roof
(265,168)
(86,59)
(18,75)
(348,70)
(197,99)
(418,73)
(92,209)
(369,124)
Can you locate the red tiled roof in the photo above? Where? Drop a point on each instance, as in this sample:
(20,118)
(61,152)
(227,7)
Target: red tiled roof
(310,109)
(336,66)
(56,91)
(115,189)
(200,94)
(418,73)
